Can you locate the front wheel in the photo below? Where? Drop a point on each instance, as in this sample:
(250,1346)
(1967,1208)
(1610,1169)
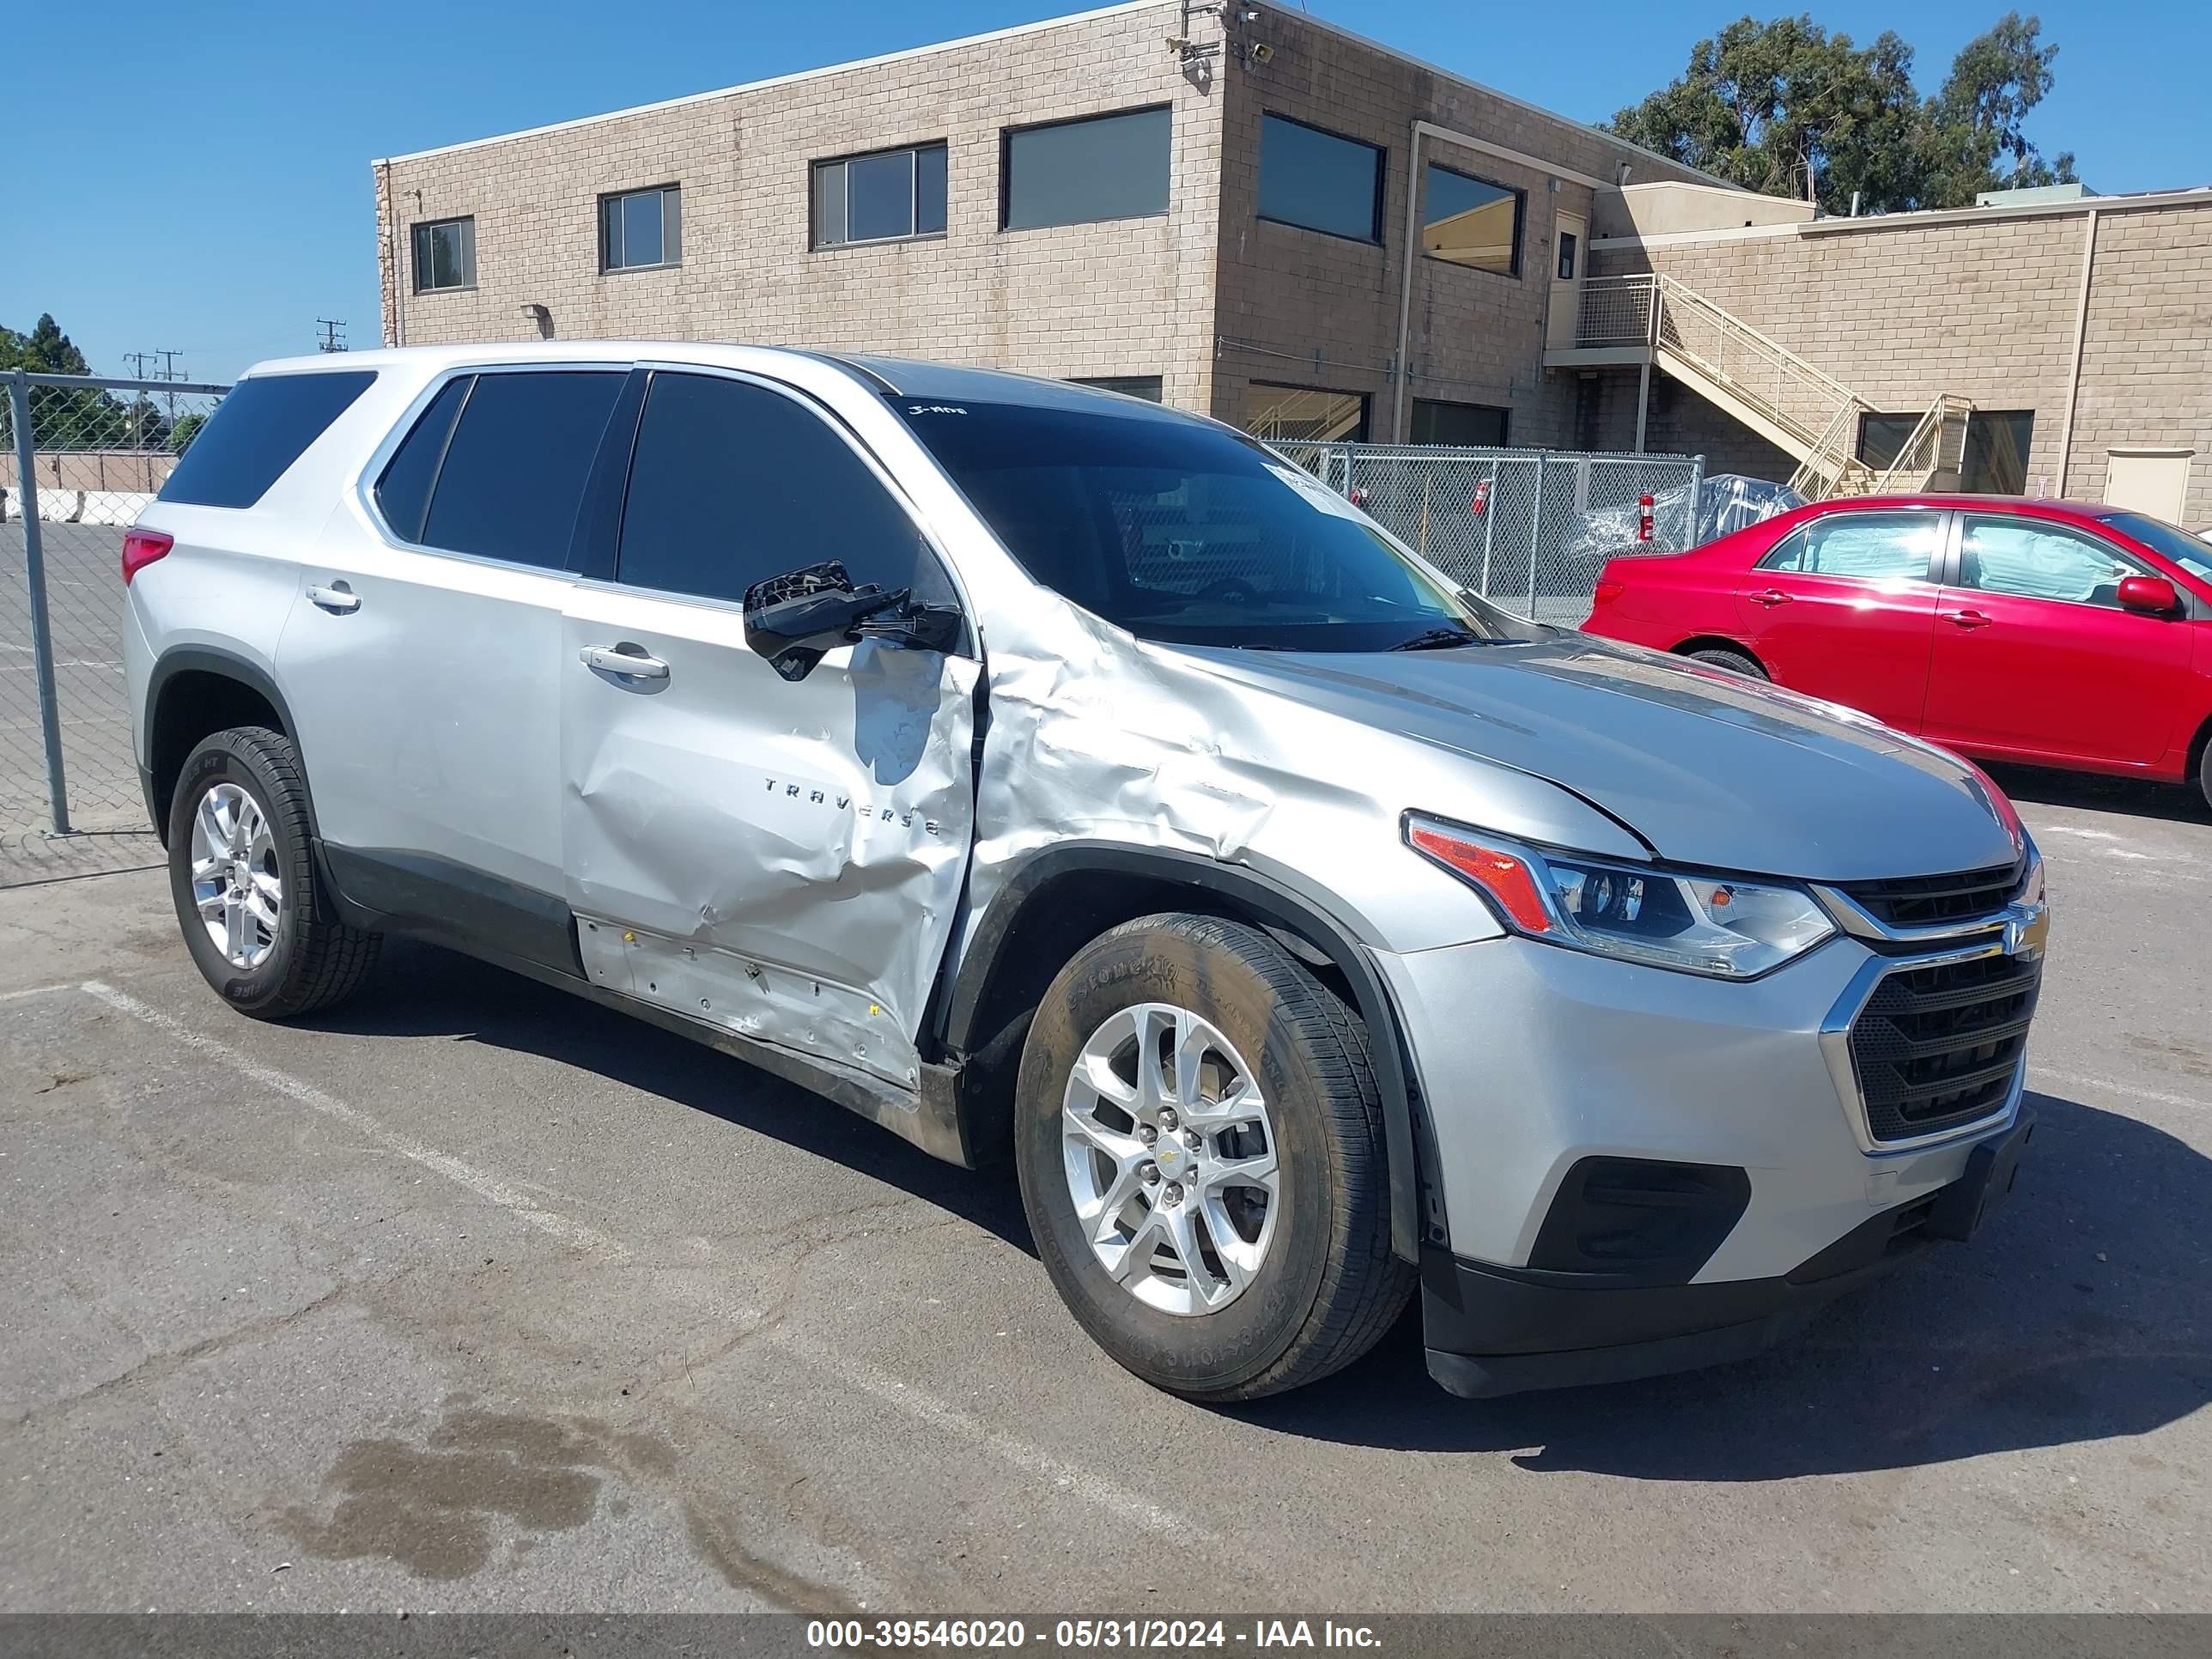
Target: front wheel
(1199,1143)
(259,926)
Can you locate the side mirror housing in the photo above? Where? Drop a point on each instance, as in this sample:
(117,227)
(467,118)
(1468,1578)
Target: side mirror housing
(2153,595)
(793,618)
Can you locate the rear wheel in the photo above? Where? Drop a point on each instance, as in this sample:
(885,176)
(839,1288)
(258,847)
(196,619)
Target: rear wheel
(1734,661)
(260,926)
(1199,1143)
(2204,772)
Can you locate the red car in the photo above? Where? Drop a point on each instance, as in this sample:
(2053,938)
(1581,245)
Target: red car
(2052,633)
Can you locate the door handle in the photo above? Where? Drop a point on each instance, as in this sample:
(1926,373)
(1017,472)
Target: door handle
(1966,619)
(612,659)
(337,598)
(1769,597)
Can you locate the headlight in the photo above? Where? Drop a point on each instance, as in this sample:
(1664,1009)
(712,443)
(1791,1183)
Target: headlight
(1694,923)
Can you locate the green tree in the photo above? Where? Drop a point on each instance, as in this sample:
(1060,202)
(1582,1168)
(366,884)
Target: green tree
(64,417)
(186,429)
(1790,109)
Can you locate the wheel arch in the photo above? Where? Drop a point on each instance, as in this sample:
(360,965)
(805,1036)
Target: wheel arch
(1717,642)
(195,691)
(1064,897)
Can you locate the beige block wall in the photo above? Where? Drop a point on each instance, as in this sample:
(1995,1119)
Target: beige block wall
(1900,311)
(1301,308)
(1133,297)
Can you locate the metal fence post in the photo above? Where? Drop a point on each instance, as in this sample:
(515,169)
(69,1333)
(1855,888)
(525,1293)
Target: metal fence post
(34,579)
(1697,497)
(1491,505)
(1536,533)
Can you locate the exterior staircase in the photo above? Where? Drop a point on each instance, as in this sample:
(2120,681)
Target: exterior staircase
(1810,416)
(1307,417)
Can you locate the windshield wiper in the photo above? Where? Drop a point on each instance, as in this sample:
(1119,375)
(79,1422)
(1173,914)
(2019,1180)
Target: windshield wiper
(1439,639)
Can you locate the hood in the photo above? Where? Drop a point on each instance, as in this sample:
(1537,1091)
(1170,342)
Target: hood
(1707,767)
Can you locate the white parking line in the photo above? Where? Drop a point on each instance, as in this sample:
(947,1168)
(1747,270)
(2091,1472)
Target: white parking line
(2114,1086)
(34,991)
(487,1186)
(1133,1507)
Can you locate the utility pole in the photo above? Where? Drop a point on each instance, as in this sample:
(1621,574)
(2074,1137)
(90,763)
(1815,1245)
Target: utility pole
(138,360)
(171,372)
(331,340)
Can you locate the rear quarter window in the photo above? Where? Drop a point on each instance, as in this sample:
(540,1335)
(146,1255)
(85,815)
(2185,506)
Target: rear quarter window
(257,431)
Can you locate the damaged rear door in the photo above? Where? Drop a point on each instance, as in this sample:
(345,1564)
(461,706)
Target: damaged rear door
(782,859)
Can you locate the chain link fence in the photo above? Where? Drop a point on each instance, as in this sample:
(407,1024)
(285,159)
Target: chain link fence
(1528,529)
(79,457)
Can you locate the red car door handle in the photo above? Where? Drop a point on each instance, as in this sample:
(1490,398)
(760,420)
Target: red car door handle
(1769,597)
(1966,619)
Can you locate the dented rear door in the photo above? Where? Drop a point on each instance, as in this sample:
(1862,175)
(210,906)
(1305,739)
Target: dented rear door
(780,859)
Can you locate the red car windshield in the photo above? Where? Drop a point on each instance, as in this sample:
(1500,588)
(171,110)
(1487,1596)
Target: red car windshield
(2193,553)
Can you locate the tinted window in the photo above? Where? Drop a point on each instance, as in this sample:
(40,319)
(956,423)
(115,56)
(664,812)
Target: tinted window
(402,493)
(874,199)
(1109,166)
(1290,414)
(732,483)
(1872,546)
(516,467)
(255,433)
(1996,450)
(2032,560)
(1190,535)
(1472,221)
(640,228)
(1314,178)
(2193,553)
(1471,425)
(445,255)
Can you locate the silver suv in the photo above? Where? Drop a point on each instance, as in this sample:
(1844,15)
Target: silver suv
(1039,772)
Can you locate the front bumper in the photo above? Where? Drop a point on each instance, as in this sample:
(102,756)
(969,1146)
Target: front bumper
(1492,1330)
(1536,1066)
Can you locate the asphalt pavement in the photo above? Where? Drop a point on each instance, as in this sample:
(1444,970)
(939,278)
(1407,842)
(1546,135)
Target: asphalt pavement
(471,1296)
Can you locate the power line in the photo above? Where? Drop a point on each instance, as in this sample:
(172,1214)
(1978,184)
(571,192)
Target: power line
(331,340)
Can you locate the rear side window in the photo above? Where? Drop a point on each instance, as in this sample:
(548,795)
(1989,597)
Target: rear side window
(732,483)
(1870,546)
(402,493)
(517,464)
(258,431)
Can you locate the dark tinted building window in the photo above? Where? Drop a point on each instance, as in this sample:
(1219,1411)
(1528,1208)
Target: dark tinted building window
(880,197)
(1472,221)
(516,467)
(1995,460)
(642,229)
(1147,387)
(402,493)
(1314,178)
(1071,173)
(258,431)
(732,483)
(445,255)
(1471,425)
(1297,414)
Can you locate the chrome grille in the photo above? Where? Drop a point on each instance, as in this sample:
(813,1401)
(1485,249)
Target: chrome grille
(1938,1046)
(1928,901)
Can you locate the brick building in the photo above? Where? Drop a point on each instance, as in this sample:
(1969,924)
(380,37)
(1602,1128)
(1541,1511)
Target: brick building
(1251,212)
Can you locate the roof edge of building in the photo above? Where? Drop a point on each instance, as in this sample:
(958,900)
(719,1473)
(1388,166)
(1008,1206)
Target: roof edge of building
(1921,219)
(903,55)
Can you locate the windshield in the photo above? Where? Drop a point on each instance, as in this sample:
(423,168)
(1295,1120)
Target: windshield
(2193,553)
(1189,535)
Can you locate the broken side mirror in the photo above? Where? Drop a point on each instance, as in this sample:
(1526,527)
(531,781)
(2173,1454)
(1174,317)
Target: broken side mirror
(793,619)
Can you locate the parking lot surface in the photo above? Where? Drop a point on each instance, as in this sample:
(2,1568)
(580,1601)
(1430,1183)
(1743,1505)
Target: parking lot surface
(472,1295)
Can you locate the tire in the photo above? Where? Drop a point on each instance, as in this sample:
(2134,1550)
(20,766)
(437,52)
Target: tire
(1734,661)
(2204,772)
(1325,1286)
(309,959)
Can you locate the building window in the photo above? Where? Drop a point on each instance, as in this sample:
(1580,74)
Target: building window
(1996,460)
(1294,414)
(1147,387)
(1078,172)
(880,197)
(1318,180)
(1568,246)
(1472,221)
(445,255)
(639,229)
(1463,426)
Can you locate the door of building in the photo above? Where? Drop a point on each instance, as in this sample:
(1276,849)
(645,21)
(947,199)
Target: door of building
(1570,253)
(2152,482)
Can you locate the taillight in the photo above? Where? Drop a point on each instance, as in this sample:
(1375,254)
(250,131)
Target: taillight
(141,548)
(1610,588)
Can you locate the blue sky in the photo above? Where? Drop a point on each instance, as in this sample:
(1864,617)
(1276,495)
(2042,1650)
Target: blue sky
(198,174)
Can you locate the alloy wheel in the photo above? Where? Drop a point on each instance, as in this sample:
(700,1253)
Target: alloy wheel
(236,885)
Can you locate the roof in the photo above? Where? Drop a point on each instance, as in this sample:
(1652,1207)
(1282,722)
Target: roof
(1019,29)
